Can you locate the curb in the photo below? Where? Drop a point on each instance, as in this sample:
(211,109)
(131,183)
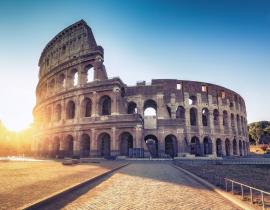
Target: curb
(40,202)
(226,195)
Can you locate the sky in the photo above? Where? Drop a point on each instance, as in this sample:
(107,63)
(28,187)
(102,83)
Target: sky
(225,42)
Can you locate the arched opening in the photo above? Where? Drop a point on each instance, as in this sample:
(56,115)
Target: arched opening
(152,145)
(85,145)
(232,122)
(87,107)
(227,147)
(193,116)
(126,143)
(225,118)
(180,114)
(205,117)
(48,114)
(216,117)
(195,147)
(132,108)
(240,148)
(171,145)
(56,146)
(150,108)
(169,111)
(219,147)
(70,110)
(61,81)
(68,146)
(234,147)
(207,146)
(244,148)
(105,145)
(58,111)
(89,69)
(238,124)
(105,105)
(52,85)
(192,100)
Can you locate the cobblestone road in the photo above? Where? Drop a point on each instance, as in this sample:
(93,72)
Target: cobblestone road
(149,186)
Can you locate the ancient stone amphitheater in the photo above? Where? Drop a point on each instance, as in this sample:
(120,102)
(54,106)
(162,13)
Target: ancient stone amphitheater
(82,112)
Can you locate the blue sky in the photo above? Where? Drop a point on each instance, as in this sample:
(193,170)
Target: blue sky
(225,42)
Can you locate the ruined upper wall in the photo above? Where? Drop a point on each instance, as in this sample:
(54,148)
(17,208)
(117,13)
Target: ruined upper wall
(72,42)
(180,87)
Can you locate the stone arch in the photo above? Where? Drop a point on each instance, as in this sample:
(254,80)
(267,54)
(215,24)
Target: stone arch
(74,77)
(85,145)
(195,146)
(132,108)
(234,147)
(52,85)
(150,108)
(105,104)
(216,117)
(180,114)
(89,70)
(240,148)
(58,112)
(193,116)
(56,146)
(104,143)
(152,145)
(86,107)
(207,146)
(225,118)
(68,146)
(125,143)
(48,114)
(227,147)
(205,117)
(70,111)
(219,147)
(171,145)
(192,100)
(238,124)
(61,82)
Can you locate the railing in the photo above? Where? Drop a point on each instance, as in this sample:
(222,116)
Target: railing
(245,188)
(247,193)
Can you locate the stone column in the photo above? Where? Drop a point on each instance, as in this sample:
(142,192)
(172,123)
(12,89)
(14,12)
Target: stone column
(114,146)
(94,105)
(76,144)
(138,143)
(115,101)
(94,143)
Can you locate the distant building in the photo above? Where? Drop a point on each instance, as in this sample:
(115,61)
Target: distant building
(82,112)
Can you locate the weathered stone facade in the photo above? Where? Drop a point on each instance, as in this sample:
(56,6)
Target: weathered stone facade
(77,114)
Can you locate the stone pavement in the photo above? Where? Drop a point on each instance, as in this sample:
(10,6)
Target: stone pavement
(25,182)
(148,186)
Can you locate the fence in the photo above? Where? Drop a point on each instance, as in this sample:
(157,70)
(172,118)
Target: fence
(246,191)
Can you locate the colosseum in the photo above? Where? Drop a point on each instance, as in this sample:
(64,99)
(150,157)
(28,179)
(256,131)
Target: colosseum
(81,112)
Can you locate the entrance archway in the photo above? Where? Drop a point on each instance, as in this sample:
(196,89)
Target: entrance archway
(171,145)
(195,147)
(152,145)
(85,145)
(68,146)
(105,145)
(219,147)
(126,142)
(207,146)
(228,147)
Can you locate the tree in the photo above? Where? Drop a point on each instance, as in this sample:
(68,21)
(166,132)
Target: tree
(259,132)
